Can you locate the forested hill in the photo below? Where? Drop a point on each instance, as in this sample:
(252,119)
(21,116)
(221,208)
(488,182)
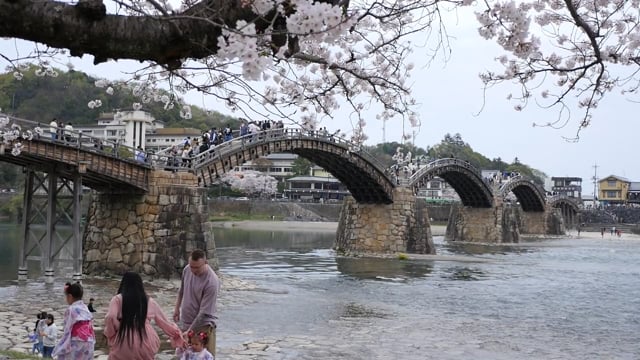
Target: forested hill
(67,95)
(454,146)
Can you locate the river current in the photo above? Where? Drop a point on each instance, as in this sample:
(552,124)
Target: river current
(544,299)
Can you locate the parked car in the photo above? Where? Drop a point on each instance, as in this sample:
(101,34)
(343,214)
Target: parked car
(242,198)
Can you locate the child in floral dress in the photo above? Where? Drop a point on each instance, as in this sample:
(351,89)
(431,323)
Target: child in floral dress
(78,338)
(197,349)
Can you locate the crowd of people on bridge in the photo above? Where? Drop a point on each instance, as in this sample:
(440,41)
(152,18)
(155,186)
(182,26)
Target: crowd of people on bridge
(128,320)
(498,177)
(61,131)
(180,155)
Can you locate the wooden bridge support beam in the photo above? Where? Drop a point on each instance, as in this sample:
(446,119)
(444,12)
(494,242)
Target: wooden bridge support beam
(51,221)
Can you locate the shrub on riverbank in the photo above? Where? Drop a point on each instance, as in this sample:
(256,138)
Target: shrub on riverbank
(11,207)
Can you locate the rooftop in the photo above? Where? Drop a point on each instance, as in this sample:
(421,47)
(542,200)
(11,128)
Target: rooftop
(566,178)
(614,177)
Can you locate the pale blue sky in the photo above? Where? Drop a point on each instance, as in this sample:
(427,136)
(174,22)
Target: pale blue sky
(451,98)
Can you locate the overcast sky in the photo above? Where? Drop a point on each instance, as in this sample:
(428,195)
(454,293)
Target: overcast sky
(451,98)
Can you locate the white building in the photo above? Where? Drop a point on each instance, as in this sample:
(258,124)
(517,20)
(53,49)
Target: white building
(128,127)
(137,127)
(280,165)
(162,138)
(438,190)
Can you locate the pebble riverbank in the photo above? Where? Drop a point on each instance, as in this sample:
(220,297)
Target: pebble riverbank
(21,302)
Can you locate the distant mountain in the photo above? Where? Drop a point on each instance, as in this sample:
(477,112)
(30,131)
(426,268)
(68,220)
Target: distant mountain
(66,97)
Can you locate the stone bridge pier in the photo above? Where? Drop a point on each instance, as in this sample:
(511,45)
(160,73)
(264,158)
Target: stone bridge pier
(402,226)
(150,233)
(501,223)
(549,222)
(496,224)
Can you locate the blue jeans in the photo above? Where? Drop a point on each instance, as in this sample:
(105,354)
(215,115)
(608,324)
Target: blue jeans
(46,351)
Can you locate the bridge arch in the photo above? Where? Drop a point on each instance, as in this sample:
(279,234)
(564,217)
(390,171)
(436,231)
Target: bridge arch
(462,176)
(530,196)
(569,208)
(360,172)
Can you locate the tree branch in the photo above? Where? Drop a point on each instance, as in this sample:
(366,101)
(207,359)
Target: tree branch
(83,29)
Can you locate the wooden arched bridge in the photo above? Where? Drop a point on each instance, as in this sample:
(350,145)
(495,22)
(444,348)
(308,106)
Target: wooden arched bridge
(59,168)
(109,167)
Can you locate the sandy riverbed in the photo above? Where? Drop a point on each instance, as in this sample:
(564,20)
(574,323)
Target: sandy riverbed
(436,230)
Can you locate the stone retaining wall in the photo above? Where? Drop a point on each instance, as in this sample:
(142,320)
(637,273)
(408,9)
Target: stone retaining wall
(152,233)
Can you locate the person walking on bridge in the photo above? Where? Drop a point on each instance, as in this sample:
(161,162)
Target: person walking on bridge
(53,129)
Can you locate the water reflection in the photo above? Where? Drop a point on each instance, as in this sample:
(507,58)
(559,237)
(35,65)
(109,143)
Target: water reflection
(383,269)
(274,240)
(454,248)
(10,243)
(9,251)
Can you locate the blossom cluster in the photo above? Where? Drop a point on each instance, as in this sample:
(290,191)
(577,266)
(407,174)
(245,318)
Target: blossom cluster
(335,58)
(10,135)
(251,182)
(352,55)
(586,48)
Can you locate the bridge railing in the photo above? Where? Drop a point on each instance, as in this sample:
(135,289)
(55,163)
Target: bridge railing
(167,151)
(28,129)
(554,198)
(510,180)
(437,163)
(193,163)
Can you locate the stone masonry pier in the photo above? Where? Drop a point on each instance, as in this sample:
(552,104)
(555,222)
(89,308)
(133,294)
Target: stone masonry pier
(402,226)
(150,233)
(549,222)
(496,224)
(500,223)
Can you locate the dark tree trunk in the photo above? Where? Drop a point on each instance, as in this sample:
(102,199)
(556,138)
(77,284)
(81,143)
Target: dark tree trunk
(85,28)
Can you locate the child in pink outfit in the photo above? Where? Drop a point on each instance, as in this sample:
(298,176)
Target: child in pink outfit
(197,348)
(78,338)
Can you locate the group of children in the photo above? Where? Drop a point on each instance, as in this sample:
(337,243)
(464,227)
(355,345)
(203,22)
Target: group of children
(44,335)
(78,339)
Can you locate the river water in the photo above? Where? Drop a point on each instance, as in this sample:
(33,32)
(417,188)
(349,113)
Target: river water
(545,299)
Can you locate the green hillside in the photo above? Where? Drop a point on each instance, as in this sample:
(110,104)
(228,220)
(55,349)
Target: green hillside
(454,146)
(41,98)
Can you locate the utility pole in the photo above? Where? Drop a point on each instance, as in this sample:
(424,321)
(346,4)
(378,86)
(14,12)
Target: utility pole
(595,182)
